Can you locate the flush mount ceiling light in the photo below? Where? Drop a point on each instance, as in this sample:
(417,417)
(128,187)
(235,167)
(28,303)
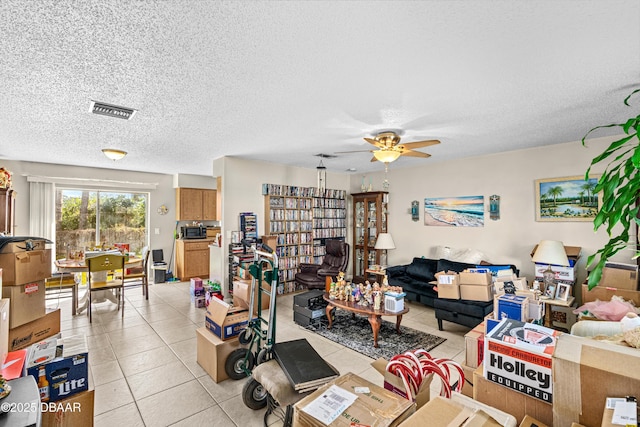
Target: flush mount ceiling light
(105,109)
(113,153)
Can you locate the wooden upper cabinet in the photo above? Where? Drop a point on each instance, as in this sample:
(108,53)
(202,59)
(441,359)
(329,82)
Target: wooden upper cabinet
(195,204)
(209,200)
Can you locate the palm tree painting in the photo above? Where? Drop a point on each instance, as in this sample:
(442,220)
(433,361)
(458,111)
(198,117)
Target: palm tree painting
(566,199)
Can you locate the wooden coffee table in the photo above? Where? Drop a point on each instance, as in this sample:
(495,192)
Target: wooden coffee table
(372,315)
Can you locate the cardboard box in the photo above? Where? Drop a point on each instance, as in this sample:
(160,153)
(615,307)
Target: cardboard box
(448,285)
(68,372)
(447,278)
(467,387)
(531,422)
(458,411)
(474,346)
(73,411)
(573,254)
(473,278)
(510,285)
(225,321)
(27,302)
(603,293)
(517,404)
(379,407)
(394,383)
(44,327)
(34,244)
(242,294)
(448,291)
(511,306)
(212,353)
(620,276)
(587,372)
(518,355)
(476,292)
(23,267)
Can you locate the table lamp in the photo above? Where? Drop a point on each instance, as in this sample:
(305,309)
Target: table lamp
(383,243)
(550,252)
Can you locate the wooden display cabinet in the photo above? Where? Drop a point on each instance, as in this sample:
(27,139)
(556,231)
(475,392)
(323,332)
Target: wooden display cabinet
(369,220)
(192,258)
(7,210)
(196,204)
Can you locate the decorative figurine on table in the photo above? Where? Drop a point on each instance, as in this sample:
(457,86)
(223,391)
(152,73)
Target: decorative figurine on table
(356,293)
(377,296)
(347,292)
(333,293)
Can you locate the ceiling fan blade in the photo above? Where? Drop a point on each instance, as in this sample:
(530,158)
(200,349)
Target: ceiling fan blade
(373,159)
(353,151)
(420,144)
(410,153)
(374,142)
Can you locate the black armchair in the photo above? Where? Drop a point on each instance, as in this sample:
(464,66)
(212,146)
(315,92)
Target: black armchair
(313,276)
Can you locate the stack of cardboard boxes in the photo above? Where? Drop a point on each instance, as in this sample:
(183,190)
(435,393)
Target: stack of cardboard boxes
(23,283)
(30,340)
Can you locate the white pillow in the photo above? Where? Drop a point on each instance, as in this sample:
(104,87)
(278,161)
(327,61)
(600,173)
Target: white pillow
(470,256)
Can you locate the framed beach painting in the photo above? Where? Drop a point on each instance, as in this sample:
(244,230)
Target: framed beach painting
(466,211)
(567,199)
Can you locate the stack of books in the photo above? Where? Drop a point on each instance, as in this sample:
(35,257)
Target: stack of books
(303,366)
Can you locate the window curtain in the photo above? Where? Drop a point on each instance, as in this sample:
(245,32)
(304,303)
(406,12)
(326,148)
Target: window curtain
(42,198)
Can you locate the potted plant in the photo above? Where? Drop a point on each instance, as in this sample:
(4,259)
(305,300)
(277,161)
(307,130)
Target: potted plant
(620,189)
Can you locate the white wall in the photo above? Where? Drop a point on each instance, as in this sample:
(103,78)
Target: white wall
(510,175)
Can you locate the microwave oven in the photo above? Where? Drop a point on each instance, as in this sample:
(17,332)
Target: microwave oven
(194,232)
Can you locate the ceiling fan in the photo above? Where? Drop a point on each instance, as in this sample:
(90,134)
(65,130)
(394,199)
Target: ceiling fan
(390,149)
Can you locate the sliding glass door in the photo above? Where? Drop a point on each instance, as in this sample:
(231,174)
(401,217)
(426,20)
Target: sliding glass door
(90,218)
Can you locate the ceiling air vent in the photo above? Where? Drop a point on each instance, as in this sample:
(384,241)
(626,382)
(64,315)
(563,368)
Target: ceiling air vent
(112,110)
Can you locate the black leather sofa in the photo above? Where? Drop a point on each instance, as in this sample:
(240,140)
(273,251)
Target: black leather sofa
(415,280)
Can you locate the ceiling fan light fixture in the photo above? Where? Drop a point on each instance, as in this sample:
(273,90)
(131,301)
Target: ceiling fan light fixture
(386,156)
(114,154)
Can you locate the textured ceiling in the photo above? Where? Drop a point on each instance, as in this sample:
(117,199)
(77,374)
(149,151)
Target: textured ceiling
(283,81)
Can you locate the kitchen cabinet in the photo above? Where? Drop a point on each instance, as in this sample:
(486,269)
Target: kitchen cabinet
(192,258)
(195,204)
(370,219)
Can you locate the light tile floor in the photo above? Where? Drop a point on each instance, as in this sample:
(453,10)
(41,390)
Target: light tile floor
(144,365)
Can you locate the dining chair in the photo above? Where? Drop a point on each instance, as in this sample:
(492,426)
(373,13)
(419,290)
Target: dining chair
(99,269)
(139,278)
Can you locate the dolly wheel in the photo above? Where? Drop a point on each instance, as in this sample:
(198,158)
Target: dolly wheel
(263,356)
(236,366)
(245,336)
(254,395)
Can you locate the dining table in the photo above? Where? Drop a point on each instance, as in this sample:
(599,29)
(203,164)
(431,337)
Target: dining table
(79,266)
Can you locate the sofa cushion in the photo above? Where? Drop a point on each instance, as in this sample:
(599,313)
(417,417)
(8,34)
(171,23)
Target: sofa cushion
(477,309)
(423,269)
(448,265)
(396,271)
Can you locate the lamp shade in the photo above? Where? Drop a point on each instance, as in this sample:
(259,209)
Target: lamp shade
(113,153)
(386,156)
(384,241)
(551,252)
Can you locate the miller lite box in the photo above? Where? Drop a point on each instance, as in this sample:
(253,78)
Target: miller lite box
(518,356)
(60,366)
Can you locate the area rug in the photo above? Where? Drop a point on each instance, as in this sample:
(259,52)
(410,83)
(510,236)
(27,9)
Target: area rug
(356,334)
